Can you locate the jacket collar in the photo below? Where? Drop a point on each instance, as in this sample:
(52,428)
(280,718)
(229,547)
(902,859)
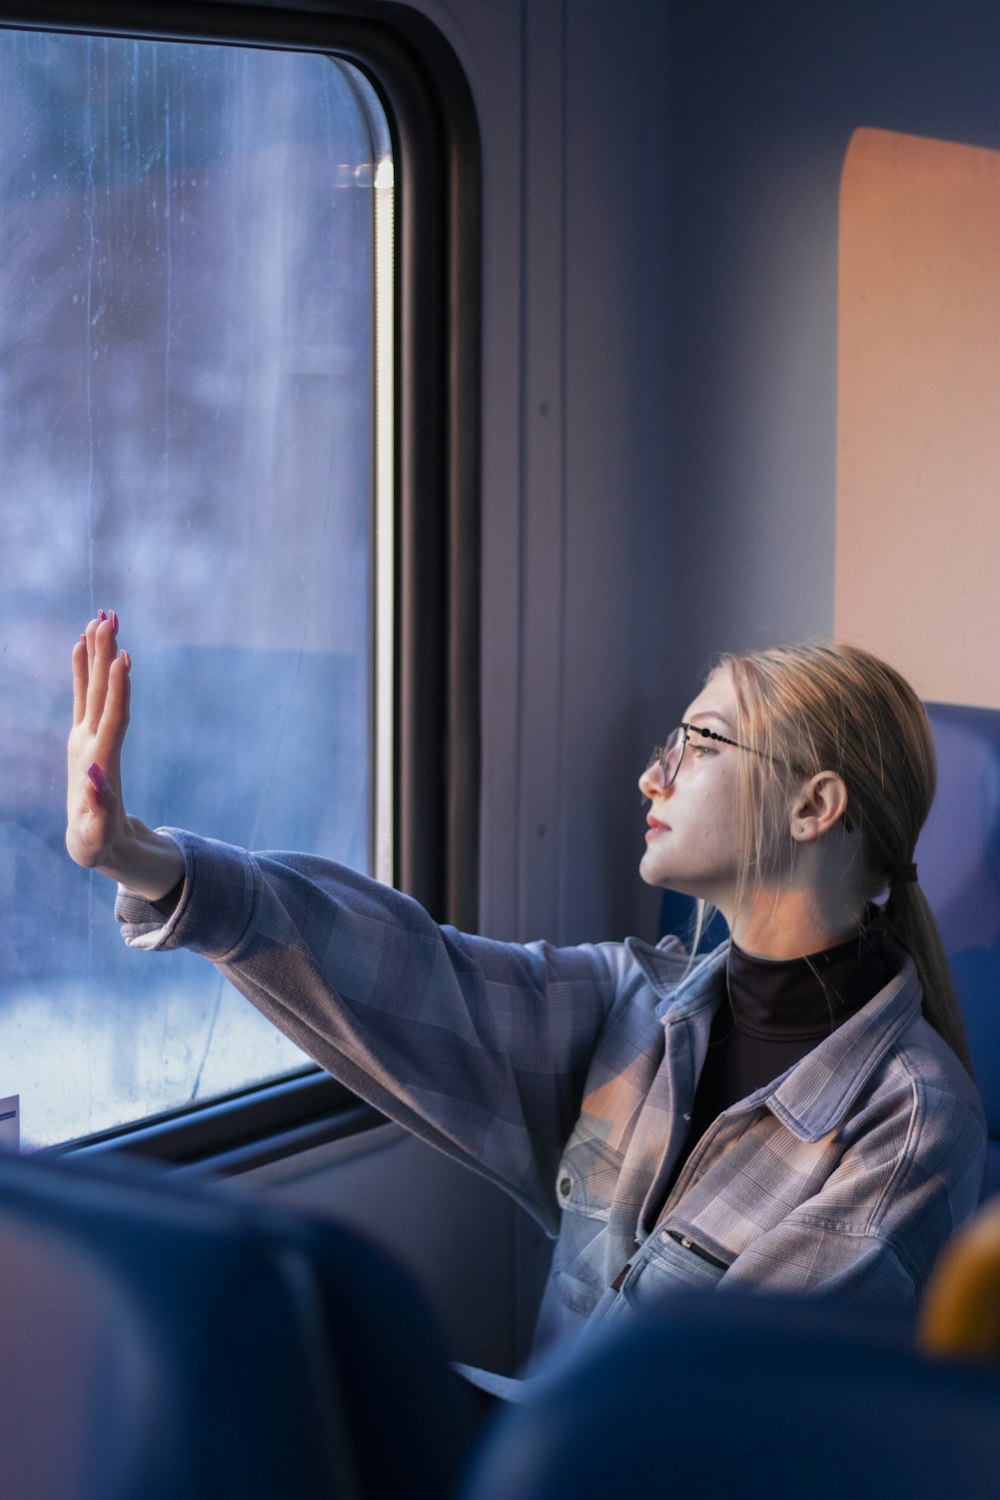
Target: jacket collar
(683,985)
(815,1095)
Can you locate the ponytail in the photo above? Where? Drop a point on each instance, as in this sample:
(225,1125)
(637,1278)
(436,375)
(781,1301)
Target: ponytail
(908,920)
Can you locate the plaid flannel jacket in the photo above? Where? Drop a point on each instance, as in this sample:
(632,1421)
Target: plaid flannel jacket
(567,1076)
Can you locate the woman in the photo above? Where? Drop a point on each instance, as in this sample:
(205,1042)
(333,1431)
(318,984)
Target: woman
(793,1111)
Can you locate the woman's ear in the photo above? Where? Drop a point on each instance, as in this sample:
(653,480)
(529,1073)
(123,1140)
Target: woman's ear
(818,805)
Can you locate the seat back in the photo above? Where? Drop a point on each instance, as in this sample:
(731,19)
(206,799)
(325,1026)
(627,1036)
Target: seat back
(164,1340)
(958,856)
(743,1394)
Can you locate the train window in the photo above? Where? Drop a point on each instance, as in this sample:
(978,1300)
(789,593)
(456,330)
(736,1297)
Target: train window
(918,529)
(196,374)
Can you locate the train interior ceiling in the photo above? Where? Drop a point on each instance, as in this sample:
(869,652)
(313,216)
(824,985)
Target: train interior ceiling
(718,313)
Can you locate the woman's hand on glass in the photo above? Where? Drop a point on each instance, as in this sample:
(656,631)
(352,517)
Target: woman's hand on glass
(99,833)
(95,810)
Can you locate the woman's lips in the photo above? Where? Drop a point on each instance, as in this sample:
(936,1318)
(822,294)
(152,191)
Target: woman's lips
(655,827)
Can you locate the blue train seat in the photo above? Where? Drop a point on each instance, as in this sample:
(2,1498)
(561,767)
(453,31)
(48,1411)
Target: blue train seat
(164,1341)
(767,1398)
(958,856)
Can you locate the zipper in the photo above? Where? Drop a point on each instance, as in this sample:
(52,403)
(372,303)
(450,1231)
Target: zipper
(616,1285)
(685,1243)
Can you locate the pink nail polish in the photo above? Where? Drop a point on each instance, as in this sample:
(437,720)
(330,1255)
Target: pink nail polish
(97,779)
(101,616)
(114,622)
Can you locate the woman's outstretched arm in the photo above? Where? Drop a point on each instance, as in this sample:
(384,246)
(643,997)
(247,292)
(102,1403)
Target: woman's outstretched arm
(100,835)
(481,1047)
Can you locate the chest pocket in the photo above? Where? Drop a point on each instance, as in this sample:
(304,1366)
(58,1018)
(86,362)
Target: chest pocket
(672,1261)
(587,1178)
(585,1186)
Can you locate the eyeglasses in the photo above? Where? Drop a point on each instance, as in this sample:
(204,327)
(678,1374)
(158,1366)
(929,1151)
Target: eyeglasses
(667,758)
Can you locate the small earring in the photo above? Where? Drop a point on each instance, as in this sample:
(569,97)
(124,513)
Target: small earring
(800,828)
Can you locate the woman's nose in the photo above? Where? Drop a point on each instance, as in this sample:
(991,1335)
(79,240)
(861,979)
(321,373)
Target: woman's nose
(651,781)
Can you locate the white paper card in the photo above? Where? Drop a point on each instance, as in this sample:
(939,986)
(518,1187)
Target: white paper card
(10,1123)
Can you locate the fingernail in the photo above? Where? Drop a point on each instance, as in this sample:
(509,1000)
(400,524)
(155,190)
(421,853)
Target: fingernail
(127,660)
(114,622)
(97,779)
(101,616)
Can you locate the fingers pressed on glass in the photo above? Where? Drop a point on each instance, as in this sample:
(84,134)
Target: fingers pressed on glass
(114,719)
(101,650)
(91,633)
(81,674)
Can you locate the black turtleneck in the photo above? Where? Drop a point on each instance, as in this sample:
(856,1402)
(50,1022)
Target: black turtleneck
(777,1011)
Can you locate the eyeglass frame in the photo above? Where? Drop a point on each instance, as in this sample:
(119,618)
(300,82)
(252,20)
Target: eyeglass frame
(659,753)
(658,757)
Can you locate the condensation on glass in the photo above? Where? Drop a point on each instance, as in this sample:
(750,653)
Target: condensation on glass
(190,403)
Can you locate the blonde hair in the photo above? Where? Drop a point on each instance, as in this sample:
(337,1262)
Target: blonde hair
(834,707)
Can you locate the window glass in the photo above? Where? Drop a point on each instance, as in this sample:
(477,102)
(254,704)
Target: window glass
(187,388)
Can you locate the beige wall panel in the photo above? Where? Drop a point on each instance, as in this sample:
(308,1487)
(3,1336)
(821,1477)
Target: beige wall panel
(918,440)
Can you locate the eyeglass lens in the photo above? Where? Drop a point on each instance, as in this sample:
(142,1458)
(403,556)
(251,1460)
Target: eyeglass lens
(667,758)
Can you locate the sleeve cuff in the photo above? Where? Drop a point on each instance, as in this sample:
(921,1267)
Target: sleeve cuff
(214,907)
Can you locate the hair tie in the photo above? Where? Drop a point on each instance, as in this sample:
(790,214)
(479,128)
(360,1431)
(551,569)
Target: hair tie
(906,876)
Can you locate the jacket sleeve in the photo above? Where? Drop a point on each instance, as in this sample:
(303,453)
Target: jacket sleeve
(479,1047)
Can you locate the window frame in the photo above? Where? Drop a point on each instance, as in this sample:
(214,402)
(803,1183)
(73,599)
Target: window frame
(437,358)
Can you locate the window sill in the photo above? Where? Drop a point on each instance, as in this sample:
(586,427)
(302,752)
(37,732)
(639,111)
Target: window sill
(243,1131)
